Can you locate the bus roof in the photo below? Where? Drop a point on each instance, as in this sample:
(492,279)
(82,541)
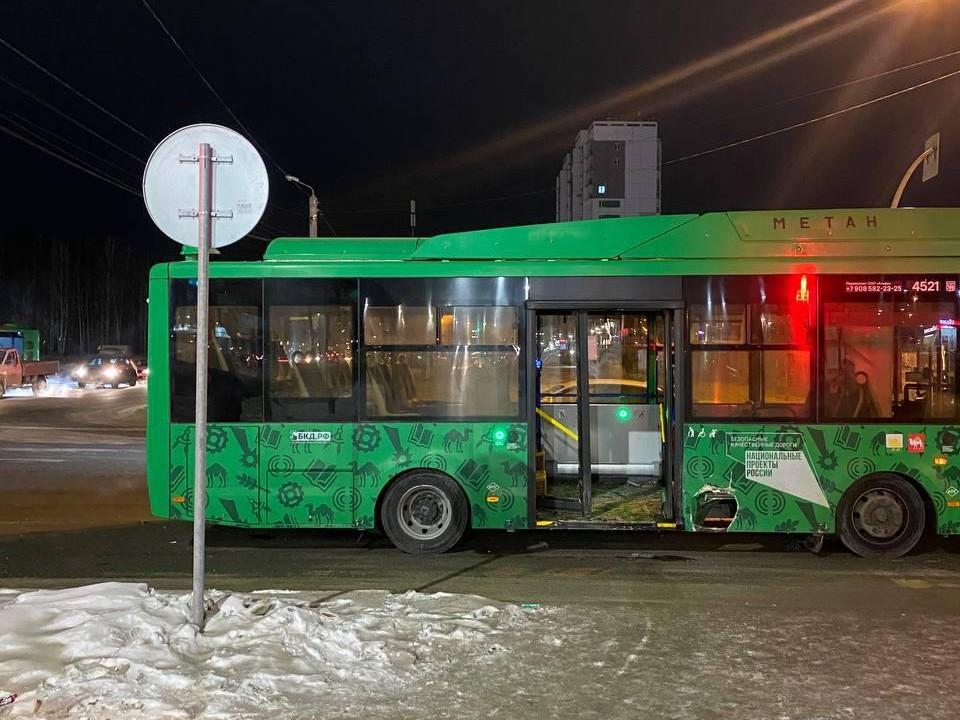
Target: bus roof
(798,234)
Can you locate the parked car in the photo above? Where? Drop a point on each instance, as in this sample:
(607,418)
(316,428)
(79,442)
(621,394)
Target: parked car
(142,369)
(107,371)
(15,372)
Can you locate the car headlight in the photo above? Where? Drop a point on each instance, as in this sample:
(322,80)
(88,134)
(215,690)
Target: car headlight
(110,372)
(82,371)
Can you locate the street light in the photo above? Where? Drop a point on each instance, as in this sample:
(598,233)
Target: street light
(929,158)
(313,207)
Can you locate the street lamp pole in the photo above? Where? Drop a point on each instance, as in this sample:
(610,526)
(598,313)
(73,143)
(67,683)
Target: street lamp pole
(895,203)
(312,204)
(929,158)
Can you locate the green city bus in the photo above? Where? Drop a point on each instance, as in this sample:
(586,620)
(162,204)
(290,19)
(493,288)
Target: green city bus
(774,372)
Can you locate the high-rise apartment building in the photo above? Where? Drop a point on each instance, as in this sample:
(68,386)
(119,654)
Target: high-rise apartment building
(612,171)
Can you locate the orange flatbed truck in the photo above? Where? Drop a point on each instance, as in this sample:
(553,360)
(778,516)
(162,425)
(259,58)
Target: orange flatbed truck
(15,372)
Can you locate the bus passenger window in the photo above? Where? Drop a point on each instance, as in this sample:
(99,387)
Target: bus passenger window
(440,348)
(891,358)
(234,352)
(311,351)
(721,382)
(496,325)
(442,383)
(399,325)
(717,324)
(750,342)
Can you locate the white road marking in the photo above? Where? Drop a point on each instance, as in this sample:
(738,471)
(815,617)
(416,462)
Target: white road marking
(54,449)
(133,409)
(31,460)
(73,428)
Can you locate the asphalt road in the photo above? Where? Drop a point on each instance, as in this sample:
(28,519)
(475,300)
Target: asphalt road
(702,626)
(75,510)
(71,460)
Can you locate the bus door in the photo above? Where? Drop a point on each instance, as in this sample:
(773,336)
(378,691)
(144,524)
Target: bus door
(610,373)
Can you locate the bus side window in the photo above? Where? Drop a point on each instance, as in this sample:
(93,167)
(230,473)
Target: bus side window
(234,351)
(311,363)
(889,358)
(750,341)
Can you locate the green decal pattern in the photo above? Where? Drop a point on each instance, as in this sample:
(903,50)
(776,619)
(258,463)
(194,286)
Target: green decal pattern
(788,478)
(331,475)
(236,494)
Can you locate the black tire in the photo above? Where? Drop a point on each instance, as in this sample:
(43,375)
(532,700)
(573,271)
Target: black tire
(424,512)
(81,384)
(38,385)
(3,388)
(133,381)
(881,516)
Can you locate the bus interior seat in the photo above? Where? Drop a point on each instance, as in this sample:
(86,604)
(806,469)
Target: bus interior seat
(384,397)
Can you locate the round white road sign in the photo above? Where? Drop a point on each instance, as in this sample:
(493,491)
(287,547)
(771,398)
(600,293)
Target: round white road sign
(171,185)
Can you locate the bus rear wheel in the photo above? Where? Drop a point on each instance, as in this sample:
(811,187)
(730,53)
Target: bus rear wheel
(881,516)
(424,512)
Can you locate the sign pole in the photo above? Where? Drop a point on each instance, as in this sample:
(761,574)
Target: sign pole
(183,209)
(205,218)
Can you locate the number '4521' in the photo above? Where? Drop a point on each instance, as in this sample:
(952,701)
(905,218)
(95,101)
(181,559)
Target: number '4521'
(926,286)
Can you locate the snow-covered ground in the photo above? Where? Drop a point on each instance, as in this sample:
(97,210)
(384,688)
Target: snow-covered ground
(57,386)
(114,649)
(125,651)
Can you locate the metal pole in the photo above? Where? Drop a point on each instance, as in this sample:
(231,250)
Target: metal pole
(413,218)
(205,216)
(313,215)
(908,174)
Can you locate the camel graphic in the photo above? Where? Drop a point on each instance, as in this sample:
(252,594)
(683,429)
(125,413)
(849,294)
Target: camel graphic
(366,473)
(453,441)
(516,471)
(319,514)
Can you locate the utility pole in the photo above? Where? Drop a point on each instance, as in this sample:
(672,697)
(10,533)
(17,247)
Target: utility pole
(312,204)
(313,214)
(413,218)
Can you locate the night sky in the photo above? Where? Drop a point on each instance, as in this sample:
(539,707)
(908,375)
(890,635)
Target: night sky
(454,103)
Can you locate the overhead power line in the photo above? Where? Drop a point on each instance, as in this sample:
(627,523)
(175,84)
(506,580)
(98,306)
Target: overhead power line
(811,121)
(78,165)
(68,117)
(210,87)
(70,87)
(857,81)
(38,131)
(219,97)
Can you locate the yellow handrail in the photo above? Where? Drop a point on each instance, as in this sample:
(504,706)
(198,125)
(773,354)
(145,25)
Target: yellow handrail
(559,426)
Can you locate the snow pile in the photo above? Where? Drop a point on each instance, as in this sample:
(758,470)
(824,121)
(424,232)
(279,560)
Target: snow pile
(116,648)
(57,386)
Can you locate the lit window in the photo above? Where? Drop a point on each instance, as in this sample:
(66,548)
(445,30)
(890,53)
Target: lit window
(601,189)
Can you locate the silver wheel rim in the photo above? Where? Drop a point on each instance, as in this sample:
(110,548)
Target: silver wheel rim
(879,515)
(424,512)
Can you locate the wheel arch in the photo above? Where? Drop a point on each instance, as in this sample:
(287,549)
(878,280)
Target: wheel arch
(406,473)
(929,508)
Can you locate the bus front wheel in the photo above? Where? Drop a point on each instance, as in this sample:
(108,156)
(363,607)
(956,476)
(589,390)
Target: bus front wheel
(424,512)
(881,516)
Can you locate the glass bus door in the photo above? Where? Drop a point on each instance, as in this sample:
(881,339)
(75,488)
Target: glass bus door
(606,372)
